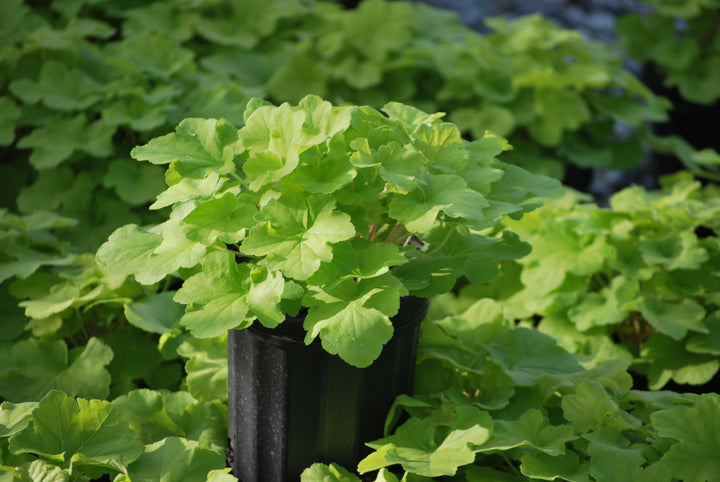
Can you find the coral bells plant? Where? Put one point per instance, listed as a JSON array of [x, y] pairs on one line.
[[331, 213]]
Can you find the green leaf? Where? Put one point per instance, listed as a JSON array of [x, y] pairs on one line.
[[531, 430], [150, 255], [79, 432], [447, 193], [156, 313], [322, 120], [526, 355], [225, 218], [155, 416], [59, 88], [442, 147], [591, 408], [9, 114], [42, 365], [327, 473], [324, 170], [675, 251], [227, 295], [696, 430], [673, 319], [188, 189], [128, 251], [611, 456], [223, 475], [296, 237], [56, 142], [358, 259], [175, 458], [376, 28], [154, 53], [40, 470], [273, 137], [206, 367], [557, 110], [475, 473], [670, 359], [137, 361], [15, 417], [707, 343], [611, 305], [421, 448], [478, 258], [546, 467], [145, 411], [346, 326], [196, 148], [134, 183], [23, 261]]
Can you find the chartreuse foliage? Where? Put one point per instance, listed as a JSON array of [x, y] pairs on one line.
[[339, 210], [680, 39], [554, 94], [637, 280], [496, 402], [91, 362]]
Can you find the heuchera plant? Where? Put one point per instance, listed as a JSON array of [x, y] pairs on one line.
[[340, 211], [637, 280]]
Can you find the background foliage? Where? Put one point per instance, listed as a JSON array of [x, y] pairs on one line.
[[97, 377]]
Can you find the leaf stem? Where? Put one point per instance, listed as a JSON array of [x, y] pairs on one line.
[[391, 237], [236, 177], [439, 246], [371, 232]]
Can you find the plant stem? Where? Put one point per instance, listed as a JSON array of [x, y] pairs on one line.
[[391, 237], [371, 232]]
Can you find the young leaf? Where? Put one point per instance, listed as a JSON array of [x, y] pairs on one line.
[[298, 236], [273, 137], [225, 218], [346, 326], [223, 296], [196, 148], [447, 193]]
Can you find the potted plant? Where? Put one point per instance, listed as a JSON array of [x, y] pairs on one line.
[[323, 226]]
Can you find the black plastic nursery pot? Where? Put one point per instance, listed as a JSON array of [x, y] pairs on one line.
[[291, 405]]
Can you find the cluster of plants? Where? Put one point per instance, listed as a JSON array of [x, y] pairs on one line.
[[498, 402], [117, 369], [637, 280], [680, 41]]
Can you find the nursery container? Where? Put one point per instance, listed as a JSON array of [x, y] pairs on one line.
[[291, 404]]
